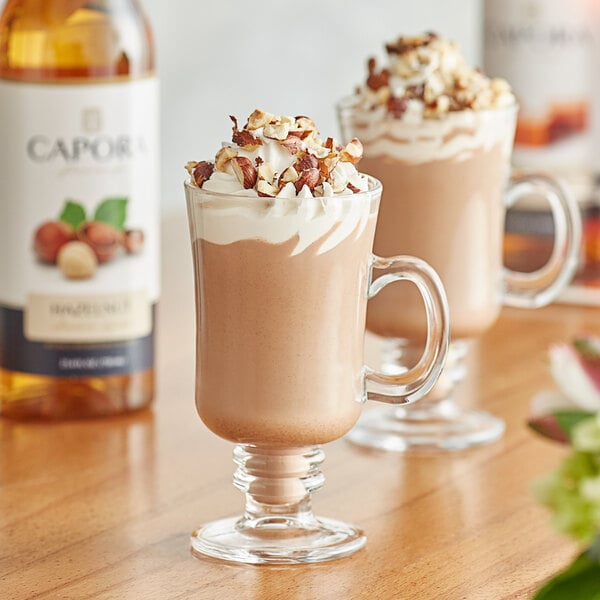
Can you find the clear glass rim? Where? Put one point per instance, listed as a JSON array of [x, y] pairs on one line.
[[346, 104], [196, 193]]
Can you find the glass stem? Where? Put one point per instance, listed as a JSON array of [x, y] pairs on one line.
[[278, 483]]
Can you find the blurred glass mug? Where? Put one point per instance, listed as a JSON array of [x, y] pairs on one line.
[[445, 202], [280, 331]]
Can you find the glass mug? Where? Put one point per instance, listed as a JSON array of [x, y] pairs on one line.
[[281, 293], [445, 202]]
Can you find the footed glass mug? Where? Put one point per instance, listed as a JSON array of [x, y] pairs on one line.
[[445, 202], [281, 293]]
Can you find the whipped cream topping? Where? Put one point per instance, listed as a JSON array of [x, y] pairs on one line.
[[280, 156], [283, 182], [456, 137], [312, 220], [427, 77]]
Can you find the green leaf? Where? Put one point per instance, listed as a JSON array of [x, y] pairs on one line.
[[72, 214], [580, 581], [568, 419], [112, 211]]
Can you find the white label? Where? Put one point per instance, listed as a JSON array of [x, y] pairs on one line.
[[71, 150], [546, 50]]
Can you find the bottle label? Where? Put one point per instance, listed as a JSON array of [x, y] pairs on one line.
[[79, 232], [546, 50]]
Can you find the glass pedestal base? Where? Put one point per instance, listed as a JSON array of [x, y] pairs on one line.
[[434, 423], [404, 430], [278, 526], [273, 541]]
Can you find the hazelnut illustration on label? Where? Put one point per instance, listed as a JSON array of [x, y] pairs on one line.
[[78, 243]]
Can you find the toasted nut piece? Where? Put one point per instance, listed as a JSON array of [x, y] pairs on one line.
[[289, 175], [307, 162], [339, 177], [383, 95], [316, 148], [292, 144], [301, 133], [266, 173], [266, 190], [224, 155], [407, 43], [397, 106], [244, 139], [331, 161], [353, 188], [324, 168], [258, 119], [352, 152], [202, 171], [77, 260], [442, 104], [305, 123], [244, 171], [376, 80], [277, 131], [310, 177]]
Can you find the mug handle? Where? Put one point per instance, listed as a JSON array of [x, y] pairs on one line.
[[539, 288], [414, 383]]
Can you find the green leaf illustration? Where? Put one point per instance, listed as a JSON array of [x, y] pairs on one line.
[[580, 581], [72, 214], [112, 211]]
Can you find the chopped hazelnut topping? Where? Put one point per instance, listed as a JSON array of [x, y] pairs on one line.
[[201, 171], [310, 178], [258, 119], [265, 189], [266, 173], [432, 72], [293, 144], [244, 139], [289, 175], [276, 131], [224, 155], [244, 171], [352, 152], [281, 155]]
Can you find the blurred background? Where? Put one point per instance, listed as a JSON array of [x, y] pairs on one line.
[[286, 57], [229, 57]]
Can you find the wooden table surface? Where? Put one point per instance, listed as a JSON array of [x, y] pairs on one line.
[[104, 509]]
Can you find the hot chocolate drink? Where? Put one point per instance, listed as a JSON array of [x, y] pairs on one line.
[[282, 227], [284, 284], [438, 134], [300, 315], [447, 209]]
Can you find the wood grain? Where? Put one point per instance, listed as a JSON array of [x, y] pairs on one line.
[[104, 509]]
